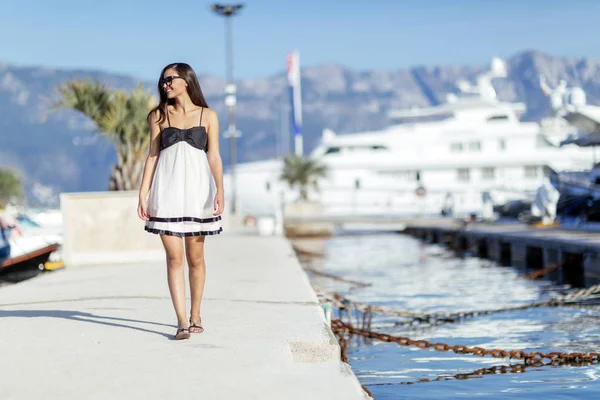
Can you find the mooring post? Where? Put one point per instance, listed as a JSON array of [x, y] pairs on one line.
[[518, 253], [552, 257]]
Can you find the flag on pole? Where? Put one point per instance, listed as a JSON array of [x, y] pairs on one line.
[[293, 73]]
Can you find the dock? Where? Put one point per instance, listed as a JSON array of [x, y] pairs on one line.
[[105, 331], [575, 252]]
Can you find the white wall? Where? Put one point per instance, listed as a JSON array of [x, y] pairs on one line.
[[103, 227]]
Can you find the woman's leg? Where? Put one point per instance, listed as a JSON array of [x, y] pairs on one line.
[[194, 248], [175, 276]]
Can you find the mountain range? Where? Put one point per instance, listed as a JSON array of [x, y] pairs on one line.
[[60, 151]]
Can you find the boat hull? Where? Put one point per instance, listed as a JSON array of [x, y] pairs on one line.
[[27, 265]]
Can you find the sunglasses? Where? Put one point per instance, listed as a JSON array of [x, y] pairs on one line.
[[168, 80]]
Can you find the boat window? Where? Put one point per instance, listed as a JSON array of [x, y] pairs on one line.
[[501, 144], [406, 175], [531, 171], [463, 174], [503, 117], [456, 147], [475, 146], [368, 148], [488, 173]]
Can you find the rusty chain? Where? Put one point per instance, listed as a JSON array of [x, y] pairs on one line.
[[307, 253], [440, 318], [554, 358], [530, 359], [478, 373], [343, 348], [542, 272], [343, 344], [497, 369], [533, 275], [336, 278], [310, 255]]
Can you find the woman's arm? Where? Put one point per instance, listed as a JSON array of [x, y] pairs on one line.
[[214, 160], [150, 164]]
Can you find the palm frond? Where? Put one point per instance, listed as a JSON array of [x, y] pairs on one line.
[[301, 171], [90, 98], [119, 115]]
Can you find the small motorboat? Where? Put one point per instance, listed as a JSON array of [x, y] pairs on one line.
[[27, 265], [23, 255]]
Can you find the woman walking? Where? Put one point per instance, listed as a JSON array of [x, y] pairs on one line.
[[181, 195]]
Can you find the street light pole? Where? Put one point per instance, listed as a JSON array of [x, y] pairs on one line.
[[228, 11]]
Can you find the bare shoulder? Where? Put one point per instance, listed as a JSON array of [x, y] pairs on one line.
[[212, 120], [154, 123], [210, 114], [154, 117]]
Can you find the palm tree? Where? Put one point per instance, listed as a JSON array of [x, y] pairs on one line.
[[302, 172], [121, 117], [11, 187]]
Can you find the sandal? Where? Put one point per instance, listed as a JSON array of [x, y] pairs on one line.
[[182, 333], [196, 327]]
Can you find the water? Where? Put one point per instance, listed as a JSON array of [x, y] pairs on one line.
[[411, 276]]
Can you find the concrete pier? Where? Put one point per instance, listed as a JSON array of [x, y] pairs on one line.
[[104, 332], [523, 247]]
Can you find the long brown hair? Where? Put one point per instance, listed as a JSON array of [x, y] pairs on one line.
[[193, 89]]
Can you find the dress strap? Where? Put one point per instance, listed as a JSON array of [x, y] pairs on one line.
[[168, 119], [201, 112]]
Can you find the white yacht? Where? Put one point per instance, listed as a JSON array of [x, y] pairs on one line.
[[579, 190], [453, 157]]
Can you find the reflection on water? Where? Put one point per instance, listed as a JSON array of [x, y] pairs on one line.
[[405, 274]]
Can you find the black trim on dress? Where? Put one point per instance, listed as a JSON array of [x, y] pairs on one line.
[[182, 234]]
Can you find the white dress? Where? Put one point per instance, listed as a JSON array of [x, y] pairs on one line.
[[182, 192]]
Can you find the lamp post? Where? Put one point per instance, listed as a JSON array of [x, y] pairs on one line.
[[228, 11]]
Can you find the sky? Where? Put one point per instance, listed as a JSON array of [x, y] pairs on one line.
[[139, 37]]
